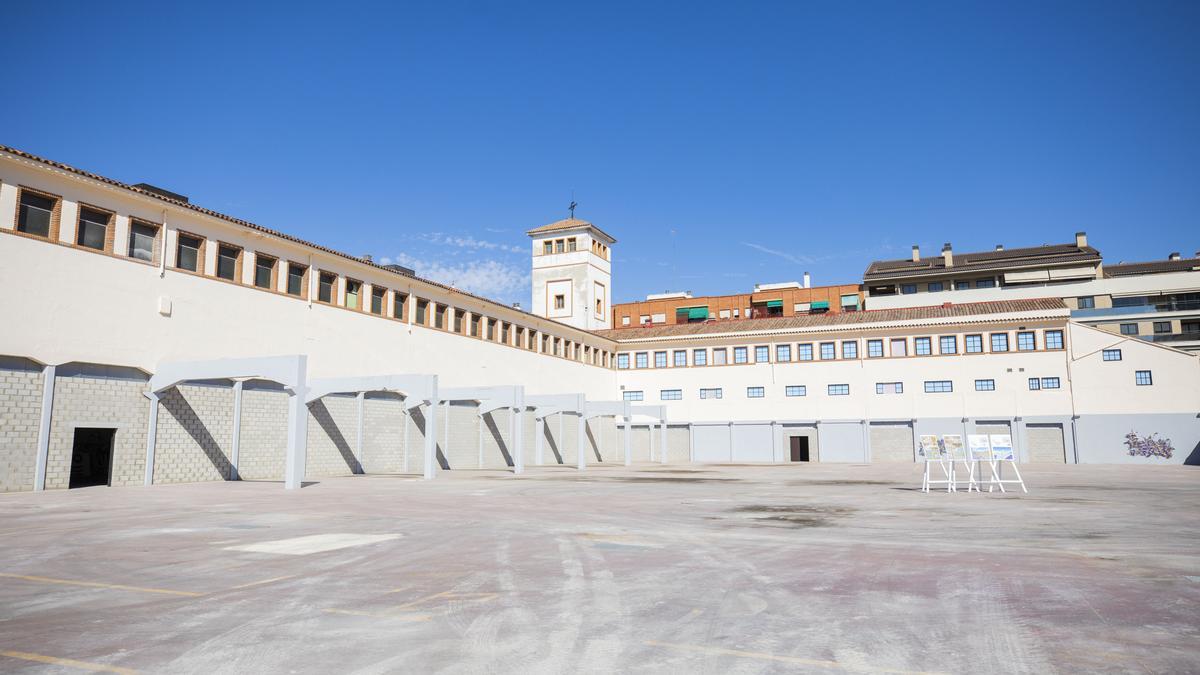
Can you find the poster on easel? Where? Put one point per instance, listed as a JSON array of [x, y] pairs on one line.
[[980, 447], [1002, 449], [953, 444], [930, 448]]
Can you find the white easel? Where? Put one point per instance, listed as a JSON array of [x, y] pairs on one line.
[[1002, 453], [957, 453], [935, 454]]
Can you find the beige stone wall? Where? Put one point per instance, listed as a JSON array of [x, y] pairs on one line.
[[529, 429], [415, 448], [99, 397], [640, 442], [679, 444], [383, 433], [461, 450], [20, 415], [332, 436], [195, 434], [262, 453], [498, 444]]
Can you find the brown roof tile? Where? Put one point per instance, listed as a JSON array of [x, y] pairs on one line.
[[948, 311], [1152, 267], [1055, 254], [568, 224]]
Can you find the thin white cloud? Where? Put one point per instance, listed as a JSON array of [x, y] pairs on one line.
[[489, 278], [790, 257], [467, 241]]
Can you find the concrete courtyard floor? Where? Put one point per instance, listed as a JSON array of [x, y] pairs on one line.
[[681, 569]]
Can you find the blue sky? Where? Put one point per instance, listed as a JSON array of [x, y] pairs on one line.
[[722, 144]]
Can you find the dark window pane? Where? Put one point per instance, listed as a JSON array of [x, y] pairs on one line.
[[92, 227], [262, 272], [187, 255], [141, 242], [35, 213], [227, 258], [295, 280]]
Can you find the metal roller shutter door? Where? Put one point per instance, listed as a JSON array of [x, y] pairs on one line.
[[891, 443], [1046, 443], [752, 443], [712, 443]]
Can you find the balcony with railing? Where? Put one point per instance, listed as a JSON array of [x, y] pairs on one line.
[[1187, 305]]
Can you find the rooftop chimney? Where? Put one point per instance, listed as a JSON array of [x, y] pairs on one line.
[[999, 247], [916, 256], [1081, 239], [807, 280], [947, 255], [367, 258], [516, 305], [1174, 256]]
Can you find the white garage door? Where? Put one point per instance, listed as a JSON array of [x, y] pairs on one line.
[[752, 443], [1046, 443], [712, 443], [891, 443]]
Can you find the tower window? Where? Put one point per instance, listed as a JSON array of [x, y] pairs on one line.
[[558, 245], [547, 247], [571, 244], [560, 301]]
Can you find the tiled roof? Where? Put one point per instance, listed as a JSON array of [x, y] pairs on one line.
[[1035, 256], [947, 311], [1152, 267], [568, 224], [275, 233]]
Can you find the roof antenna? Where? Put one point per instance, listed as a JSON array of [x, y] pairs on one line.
[[571, 208]]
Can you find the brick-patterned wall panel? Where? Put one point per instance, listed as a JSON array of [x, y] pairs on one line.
[[105, 402], [679, 444], [462, 449], [569, 443], [641, 443], [498, 450], [195, 434], [262, 453], [603, 440], [20, 415], [552, 441], [414, 449], [332, 436], [383, 431], [529, 428]]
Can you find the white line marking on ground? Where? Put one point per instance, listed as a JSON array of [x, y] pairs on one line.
[[314, 543]]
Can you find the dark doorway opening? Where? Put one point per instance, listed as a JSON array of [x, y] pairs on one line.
[[799, 447], [91, 457]]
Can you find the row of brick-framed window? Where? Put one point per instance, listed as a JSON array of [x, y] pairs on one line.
[[39, 216], [832, 350], [1142, 377]]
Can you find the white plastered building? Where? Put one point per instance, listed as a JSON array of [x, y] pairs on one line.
[[107, 284]]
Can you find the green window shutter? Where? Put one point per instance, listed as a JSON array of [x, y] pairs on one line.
[[772, 304], [820, 304]]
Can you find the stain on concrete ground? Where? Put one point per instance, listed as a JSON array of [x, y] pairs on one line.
[[794, 515]]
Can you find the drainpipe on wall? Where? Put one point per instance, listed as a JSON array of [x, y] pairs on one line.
[[162, 255]]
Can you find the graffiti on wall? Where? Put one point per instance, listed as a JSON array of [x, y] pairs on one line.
[[1148, 446]]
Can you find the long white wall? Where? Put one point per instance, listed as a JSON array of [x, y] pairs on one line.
[[62, 304]]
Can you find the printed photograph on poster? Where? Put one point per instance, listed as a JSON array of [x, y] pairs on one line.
[[953, 445], [979, 446], [930, 448], [1002, 447]]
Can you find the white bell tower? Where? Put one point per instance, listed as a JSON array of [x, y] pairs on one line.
[[572, 273]]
